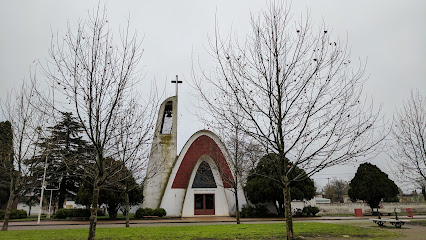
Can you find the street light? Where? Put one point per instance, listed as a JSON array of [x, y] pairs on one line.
[[43, 183], [51, 190]]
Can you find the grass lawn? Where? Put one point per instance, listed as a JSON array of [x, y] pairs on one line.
[[243, 231]]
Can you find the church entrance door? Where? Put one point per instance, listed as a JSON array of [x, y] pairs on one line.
[[204, 204]]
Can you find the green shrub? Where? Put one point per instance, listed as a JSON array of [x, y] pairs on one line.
[[80, 212], [141, 212], [261, 211], [310, 210], [160, 212], [66, 213], [14, 214], [256, 211], [247, 211], [61, 213]]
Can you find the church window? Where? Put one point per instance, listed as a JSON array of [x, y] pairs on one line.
[[204, 177]]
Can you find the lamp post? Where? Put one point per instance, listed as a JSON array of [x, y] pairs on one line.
[[51, 190], [43, 183]]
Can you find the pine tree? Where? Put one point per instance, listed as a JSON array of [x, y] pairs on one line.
[[66, 152], [372, 185]]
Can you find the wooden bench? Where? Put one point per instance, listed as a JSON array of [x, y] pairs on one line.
[[394, 221], [150, 217]]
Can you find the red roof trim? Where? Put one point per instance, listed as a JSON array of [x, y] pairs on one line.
[[201, 146]]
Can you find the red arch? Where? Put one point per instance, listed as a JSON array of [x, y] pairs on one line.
[[201, 146]]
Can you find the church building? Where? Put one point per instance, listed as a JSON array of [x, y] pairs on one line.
[[197, 181]]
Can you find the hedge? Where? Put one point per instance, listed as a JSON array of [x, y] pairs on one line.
[[256, 211], [141, 212], [66, 213], [14, 214]]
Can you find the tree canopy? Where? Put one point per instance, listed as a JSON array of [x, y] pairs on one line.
[[409, 133], [66, 152], [113, 192], [292, 87], [263, 184], [6, 163], [371, 185], [336, 189]]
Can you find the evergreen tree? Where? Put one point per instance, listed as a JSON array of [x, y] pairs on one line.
[[6, 161], [66, 152], [263, 184], [113, 193], [371, 185]]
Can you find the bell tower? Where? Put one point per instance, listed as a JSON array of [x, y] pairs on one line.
[[163, 152]]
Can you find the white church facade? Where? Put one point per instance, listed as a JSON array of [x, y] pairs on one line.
[[197, 181]]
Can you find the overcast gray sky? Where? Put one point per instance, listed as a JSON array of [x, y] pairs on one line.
[[390, 34]]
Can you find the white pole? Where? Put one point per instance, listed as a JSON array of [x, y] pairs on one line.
[[42, 191], [50, 203]]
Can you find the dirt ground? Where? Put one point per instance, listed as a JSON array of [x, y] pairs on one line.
[[408, 231]]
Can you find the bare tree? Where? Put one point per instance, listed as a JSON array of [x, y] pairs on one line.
[[96, 76], [409, 133], [296, 93], [22, 110], [134, 136], [336, 189], [242, 150], [240, 146], [236, 162]]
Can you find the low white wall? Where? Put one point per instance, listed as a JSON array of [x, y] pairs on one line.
[[349, 208]]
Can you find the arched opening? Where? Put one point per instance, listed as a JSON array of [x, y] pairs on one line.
[[167, 123]]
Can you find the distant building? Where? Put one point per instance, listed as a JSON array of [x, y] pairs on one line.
[[321, 200]]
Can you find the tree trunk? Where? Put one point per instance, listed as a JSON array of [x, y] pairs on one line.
[[287, 211], [8, 208], [29, 210], [237, 207], [62, 191], [112, 211], [424, 192], [127, 210], [281, 208], [94, 210]]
